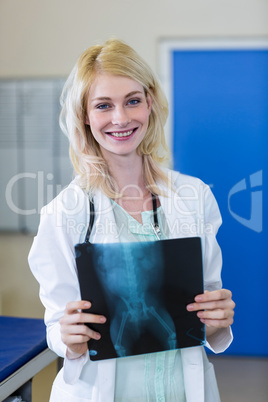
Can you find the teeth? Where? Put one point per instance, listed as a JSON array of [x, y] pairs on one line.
[[126, 134]]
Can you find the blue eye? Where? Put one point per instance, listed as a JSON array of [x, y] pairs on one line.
[[102, 106], [134, 101]]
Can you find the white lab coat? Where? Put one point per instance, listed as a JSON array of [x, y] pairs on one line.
[[190, 210]]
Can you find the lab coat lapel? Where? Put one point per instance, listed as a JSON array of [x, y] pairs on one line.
[[193, 373], [175, 211], [106, 380], [104, 228], [104, 231], [180, 220]]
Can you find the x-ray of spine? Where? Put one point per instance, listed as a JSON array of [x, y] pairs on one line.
[[131, 277]]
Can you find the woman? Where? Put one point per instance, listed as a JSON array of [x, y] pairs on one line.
[[114, 113]]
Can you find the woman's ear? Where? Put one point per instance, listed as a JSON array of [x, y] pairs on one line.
[[87, 121], [149, 102]]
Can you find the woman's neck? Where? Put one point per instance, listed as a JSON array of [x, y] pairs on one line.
[[128, 175]]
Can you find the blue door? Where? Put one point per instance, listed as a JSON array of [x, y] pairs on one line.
[[220, 100]]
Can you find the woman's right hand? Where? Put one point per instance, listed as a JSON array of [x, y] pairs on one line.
[[74, 333]]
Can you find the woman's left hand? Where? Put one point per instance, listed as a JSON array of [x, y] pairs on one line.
[[215, 309]]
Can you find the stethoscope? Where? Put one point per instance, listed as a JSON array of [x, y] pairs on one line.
[[154, 225]]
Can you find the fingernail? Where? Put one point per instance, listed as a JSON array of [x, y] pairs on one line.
[[198, 298], [190, 307], [102, 319], [87, 305], [98, 336]]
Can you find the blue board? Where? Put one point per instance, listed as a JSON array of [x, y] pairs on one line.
[[21, 339], [220, 100]]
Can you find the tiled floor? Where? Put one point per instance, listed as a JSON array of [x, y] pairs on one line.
[[241, 379]]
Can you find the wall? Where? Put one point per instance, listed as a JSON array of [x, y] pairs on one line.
[[40, 38]]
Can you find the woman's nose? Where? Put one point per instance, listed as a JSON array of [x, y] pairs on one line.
[[120, 117]]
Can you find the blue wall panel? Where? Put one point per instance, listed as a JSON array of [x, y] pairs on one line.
[[220, 125]]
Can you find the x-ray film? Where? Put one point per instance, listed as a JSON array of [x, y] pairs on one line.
[[143, 289]]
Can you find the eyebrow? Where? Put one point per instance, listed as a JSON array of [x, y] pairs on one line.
[[106, 98]]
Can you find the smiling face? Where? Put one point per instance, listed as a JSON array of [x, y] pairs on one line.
[[118, 114]]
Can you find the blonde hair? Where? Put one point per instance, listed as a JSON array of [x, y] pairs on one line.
[[117, 58]]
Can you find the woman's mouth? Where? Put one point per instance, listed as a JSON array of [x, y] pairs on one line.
[[121, 134]]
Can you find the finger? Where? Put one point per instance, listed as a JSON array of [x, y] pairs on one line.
[[81, 318], [77, 330], [85, 332], [73, 306], [216, 314], [220, 294], [213, 305], [88, 318], [70, 340], [217, 323], [82, 331]]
